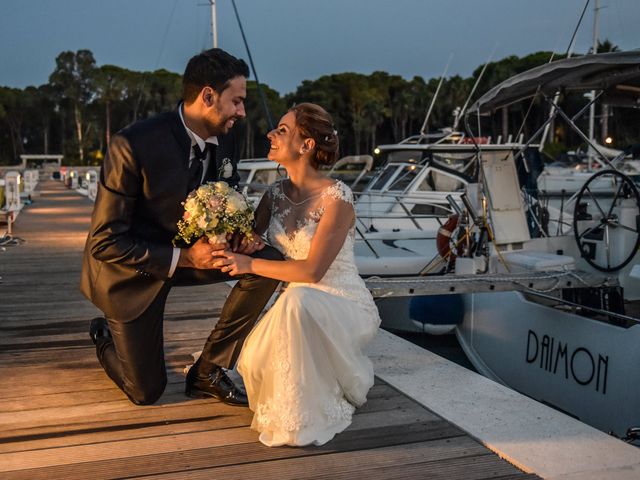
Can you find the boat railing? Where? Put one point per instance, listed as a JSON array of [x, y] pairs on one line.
[[408, 215], [394, 207], [428, 198]]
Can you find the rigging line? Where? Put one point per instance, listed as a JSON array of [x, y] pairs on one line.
[[423, 129], [255, 74], [166, 33], [463, 112], [162, 44], [475, 85], [575, 31], [567, 54], [465, 117]]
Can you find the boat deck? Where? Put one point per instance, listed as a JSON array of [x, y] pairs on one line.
[[61, 417], [539, 281]]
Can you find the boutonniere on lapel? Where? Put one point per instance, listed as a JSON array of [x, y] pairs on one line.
[[226, 169]]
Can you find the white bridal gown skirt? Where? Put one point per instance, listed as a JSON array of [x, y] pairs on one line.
[[303, 367]]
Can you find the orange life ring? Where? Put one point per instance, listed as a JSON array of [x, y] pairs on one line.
[[444, 236]]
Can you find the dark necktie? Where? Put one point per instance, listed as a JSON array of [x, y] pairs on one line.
[[196, 169]]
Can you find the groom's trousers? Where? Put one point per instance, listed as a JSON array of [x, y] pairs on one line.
[[134, 355]]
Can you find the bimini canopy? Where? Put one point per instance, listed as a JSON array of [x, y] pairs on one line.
[[617, 74]]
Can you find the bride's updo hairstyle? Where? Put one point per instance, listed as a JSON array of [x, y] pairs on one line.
[[313, 121]]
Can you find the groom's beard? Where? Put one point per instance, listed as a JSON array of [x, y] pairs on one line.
[[221, 126]]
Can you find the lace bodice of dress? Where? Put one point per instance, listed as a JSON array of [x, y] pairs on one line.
[[292, 227]]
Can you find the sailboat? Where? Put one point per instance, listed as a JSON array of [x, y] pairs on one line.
[[556, 317]]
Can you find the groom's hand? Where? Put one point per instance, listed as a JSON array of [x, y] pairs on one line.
[[200, 255], [247, 244]]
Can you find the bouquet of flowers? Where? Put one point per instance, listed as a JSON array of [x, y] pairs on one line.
[[214, 210]]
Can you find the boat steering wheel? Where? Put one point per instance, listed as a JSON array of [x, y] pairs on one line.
[[595, 219]]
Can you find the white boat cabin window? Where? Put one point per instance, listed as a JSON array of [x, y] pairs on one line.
[[404, 178], [384, 177], [447, 183]]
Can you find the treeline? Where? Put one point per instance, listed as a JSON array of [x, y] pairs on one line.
[[83, 104]]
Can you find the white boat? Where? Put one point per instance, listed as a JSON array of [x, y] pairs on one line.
[[554, 317], [404, 224], [256, 174]]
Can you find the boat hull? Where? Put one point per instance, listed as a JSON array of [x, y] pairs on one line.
[[584, 367]]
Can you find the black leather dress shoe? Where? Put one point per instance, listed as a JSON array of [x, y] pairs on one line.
[[99, 328], [216, 385]]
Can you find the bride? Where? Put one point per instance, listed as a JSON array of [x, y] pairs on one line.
[[302, 365]]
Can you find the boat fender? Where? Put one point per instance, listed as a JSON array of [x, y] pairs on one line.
[[436, 314]]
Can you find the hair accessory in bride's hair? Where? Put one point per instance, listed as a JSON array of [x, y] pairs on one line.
[[333, 133]]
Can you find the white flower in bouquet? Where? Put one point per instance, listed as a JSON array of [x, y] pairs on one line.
[[214, 210], [236, 202]]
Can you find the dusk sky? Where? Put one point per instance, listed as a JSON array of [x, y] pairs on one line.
[[294, 40]]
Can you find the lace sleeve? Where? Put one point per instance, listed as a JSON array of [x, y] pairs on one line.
[[275, 190], [276, 198], [340, 191]]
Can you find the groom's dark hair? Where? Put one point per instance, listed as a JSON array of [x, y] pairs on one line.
[[211, 68]]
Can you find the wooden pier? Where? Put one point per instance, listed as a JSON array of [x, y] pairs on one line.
[[61, 417]]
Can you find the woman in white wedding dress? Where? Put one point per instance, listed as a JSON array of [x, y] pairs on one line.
[[303, 365]]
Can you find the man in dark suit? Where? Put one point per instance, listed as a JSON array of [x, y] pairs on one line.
[[129, 263]]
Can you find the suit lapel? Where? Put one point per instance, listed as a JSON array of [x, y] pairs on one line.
[[181, 137]]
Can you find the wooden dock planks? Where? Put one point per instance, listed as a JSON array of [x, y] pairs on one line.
[[61, 417]]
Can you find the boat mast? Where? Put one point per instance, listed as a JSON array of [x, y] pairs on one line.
[[214, 24], [214, 38], [592, 108]]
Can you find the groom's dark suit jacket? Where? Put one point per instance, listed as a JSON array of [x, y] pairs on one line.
[[143, 181]]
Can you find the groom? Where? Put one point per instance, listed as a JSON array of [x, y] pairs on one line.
[[129, 264]]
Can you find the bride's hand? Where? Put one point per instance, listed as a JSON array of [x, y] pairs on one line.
[[232, 263]]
